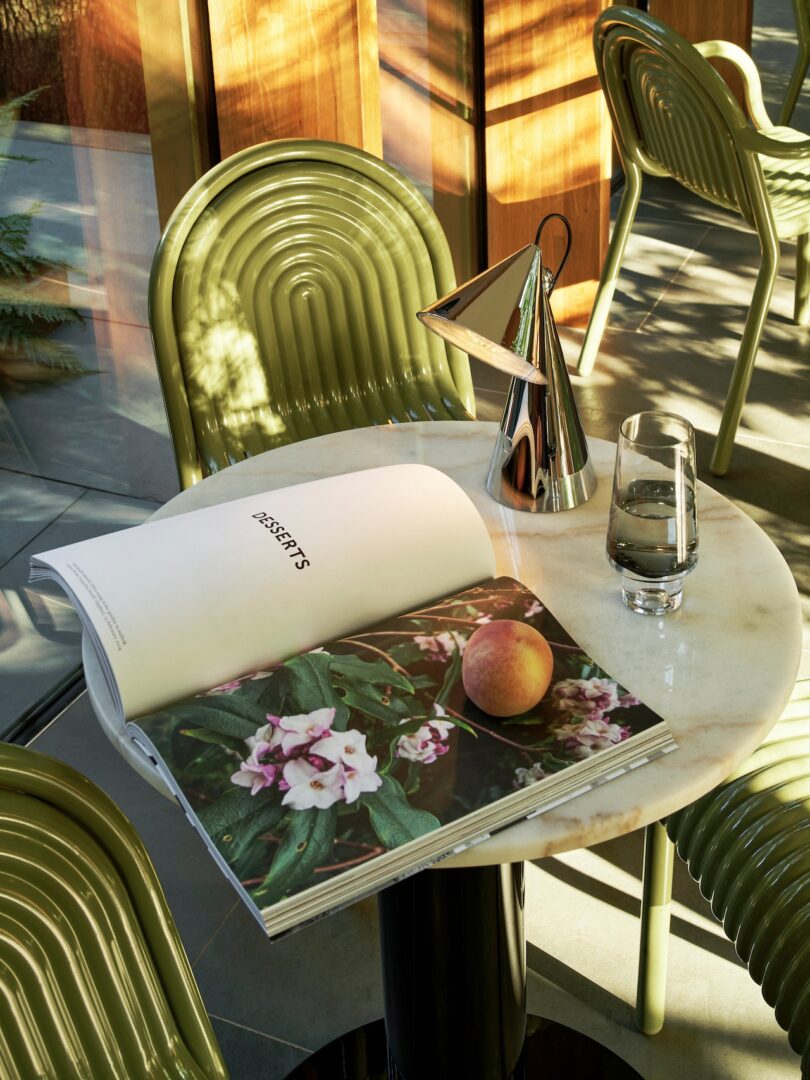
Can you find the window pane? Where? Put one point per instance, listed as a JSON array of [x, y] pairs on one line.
[[84, 446]]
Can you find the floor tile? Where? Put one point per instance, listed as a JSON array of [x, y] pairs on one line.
[[105, 429], [252, 1056], [199, 896], [39, 631], [307, 988], [27, 505], [582, 928], [653, 257]]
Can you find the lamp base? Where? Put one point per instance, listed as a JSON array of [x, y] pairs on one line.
[[516, 481]]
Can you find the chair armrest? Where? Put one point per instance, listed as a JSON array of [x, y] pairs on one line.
[[727, 50], [762, 142]]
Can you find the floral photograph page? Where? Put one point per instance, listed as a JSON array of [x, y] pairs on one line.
[[337, 756]]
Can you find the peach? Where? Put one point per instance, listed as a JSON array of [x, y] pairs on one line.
[[506, 667]]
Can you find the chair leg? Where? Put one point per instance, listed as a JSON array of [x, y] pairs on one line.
[[795, 85], [744, 366], [659, 852], [801, 309], [610, 271]]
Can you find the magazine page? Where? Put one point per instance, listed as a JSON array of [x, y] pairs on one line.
[[322, 766], [176, 604]]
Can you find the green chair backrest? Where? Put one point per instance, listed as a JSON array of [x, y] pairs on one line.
[[672, 113], [283, 304], [93, 976]]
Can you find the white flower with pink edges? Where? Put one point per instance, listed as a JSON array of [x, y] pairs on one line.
[[590, 736], [314, 766], [310, 787], [428, 742], [589, 698], [441, 646]]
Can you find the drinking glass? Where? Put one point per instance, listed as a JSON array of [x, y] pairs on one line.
[[652, 535]]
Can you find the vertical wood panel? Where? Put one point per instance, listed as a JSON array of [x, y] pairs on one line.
[[547, 139], [696, 21], [296, 68], [728, 20]]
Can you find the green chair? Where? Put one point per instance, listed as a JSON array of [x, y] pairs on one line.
[[673, 115], [801, 12], [94, 979], [283, 302], [747, 843]]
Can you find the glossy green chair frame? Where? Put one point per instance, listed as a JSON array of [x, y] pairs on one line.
[[673, 115], [801, 13], [283, 302], [747, 843], [94, 978]]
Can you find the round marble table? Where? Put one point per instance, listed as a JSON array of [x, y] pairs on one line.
[[719, 670]]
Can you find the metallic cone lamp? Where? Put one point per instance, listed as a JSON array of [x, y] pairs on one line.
[[503, 317]]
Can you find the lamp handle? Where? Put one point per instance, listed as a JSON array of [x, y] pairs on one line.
[[567, 225]]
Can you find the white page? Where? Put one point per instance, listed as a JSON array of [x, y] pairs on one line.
[[186, 603]]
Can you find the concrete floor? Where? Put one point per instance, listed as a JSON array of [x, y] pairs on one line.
[[673, 336]]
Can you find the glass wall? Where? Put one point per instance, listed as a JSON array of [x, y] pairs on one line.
[[84, 447], [427, 103]]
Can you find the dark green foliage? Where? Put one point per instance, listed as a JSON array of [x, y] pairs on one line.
[[27, 313]]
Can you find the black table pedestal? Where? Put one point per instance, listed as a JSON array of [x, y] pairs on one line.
[[454, 980]]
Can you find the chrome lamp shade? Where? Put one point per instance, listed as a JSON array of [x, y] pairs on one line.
[[540, 462]]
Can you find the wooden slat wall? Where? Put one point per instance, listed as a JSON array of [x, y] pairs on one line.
[[296, 68], [548, 140], [729, 20], [703, 21]]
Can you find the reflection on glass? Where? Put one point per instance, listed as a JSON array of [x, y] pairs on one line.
[[426, 97], [83, 441]]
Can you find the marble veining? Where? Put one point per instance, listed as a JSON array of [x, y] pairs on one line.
[[720, 670]]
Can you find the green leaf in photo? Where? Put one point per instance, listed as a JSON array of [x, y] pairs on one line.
[[403, 729], [186, 752], [406, 653], [309, 682], [532, 720], [413, 779], [370, 672], [393, 819], [239, 850], [252, 690], [274, 689], [307, 844], [214, 737], [213, 715], [228, 809], [423, 682], [372, 703], [457, 721], [452, 675]]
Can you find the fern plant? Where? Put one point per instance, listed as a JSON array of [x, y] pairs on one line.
[[27, 313]]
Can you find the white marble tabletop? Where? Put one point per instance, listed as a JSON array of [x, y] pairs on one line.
[[720, 670]]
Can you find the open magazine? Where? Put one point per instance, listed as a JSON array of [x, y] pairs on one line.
[[319, 739]]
